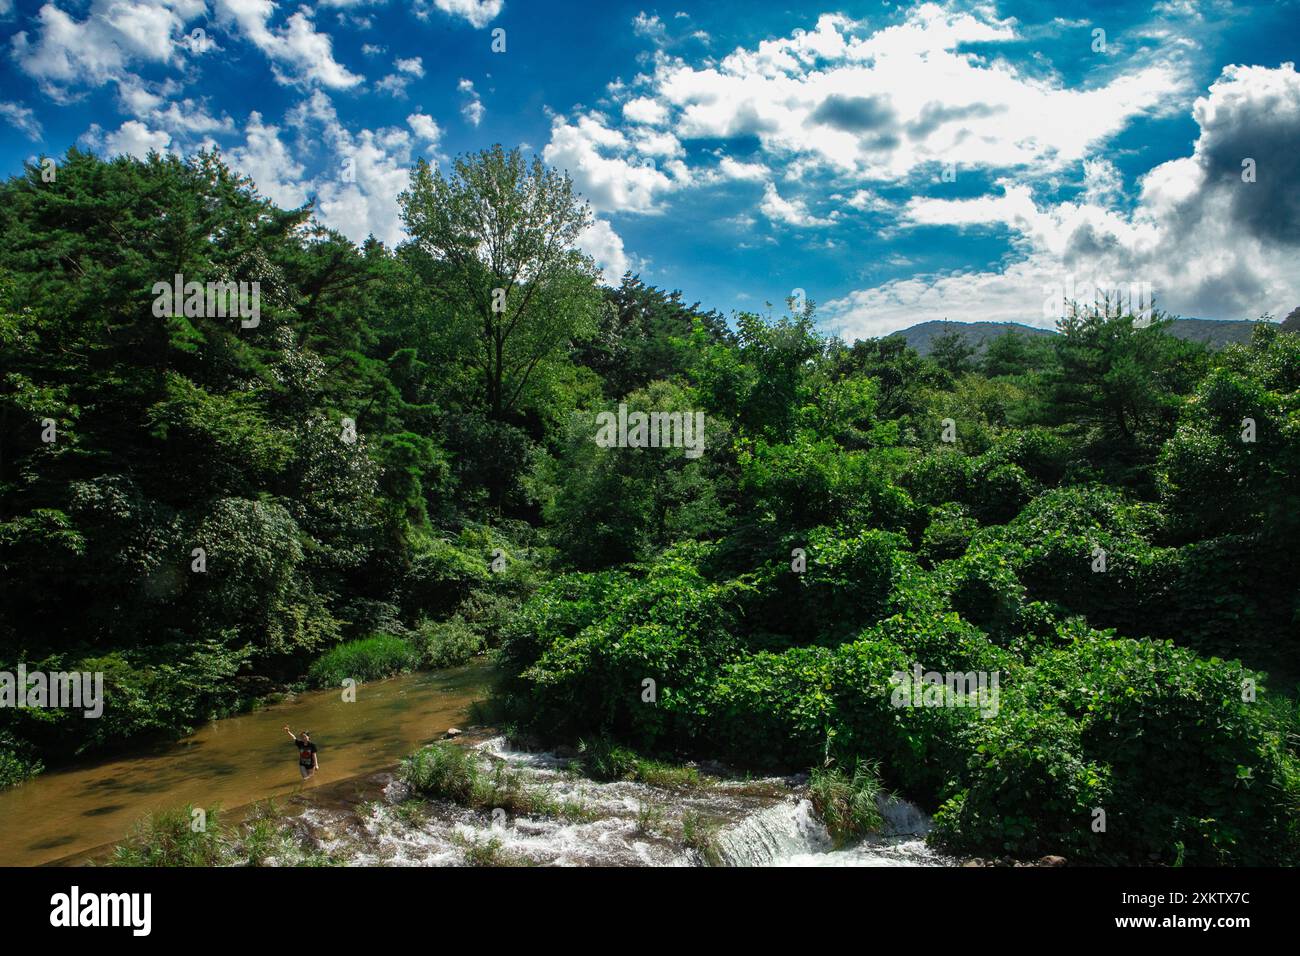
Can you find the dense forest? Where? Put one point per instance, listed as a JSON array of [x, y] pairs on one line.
[[396, 466]]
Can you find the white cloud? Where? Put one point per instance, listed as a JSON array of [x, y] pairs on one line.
[[183, 117], [471, 107], [602, 243], [478, 13], [297, 46], [650, 27], [134, 138], [645, 110], [792, 212], [356, 193], [605, 167], [864, 200], [879, 106], [67, 53], [426, 129], [747, 172], [394, 84], [412, 67], [22, 119], [860, 108], [269, 163], [1208, 243]]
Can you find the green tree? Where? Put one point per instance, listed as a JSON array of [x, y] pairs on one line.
[[952, 352], [1122, 381], [501, 235]]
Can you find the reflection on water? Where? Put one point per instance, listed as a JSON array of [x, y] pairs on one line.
[[233, 762]]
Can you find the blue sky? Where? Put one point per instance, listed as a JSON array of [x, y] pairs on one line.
[[896, 162]]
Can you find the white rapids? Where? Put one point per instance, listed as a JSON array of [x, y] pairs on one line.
[[757, 822]]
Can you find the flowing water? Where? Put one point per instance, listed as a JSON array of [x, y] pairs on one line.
[[234, 762], [357, 810], [766, 822]]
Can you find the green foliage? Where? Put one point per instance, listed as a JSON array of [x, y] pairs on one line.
[[16, 760], [642, 600], [444, 771], [177, 837], [1120, 386], [371, 658], [169, 838], [846, 803], [446, 643], [849, 580]]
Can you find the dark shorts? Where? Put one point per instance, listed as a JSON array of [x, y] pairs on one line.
[[305, 769]]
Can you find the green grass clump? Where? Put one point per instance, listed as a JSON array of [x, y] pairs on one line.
[[370, 658], [601, 759], [444, 772], [847, 804], [170, 838], [699, 833]]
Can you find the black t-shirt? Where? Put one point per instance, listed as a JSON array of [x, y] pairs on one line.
[[305, 752]]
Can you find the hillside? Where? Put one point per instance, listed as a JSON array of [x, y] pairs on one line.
[[1214, 332]]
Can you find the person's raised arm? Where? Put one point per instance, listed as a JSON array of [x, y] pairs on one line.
[[290, 732]]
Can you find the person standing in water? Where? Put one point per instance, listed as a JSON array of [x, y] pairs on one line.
[[308, 762]]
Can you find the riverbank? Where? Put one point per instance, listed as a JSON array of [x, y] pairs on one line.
[[540, 809], [234, 762]]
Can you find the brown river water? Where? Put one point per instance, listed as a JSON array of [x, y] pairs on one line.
[[234, 762]]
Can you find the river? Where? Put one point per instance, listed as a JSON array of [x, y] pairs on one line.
[[357, 810], [233, 762]]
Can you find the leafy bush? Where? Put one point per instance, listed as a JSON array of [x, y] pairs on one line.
[[1028, 788], [948, 532], [445, 643], [441, 577], [17, 762], [371, 658]]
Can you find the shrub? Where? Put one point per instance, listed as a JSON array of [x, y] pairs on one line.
[[441, 577], [17, 761], [167, 838], [847, 802], [849, 579], [444, 771], [446, 643], [602, 759], [1223, 783], [370, 658], [984, 588], [1027, 789], [948, 533]]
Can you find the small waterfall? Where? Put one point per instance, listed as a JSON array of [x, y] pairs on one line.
[[758, 823], [768, 837], [902, 818], [790, 834]]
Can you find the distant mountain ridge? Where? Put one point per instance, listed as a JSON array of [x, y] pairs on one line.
[[1215, 332]]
